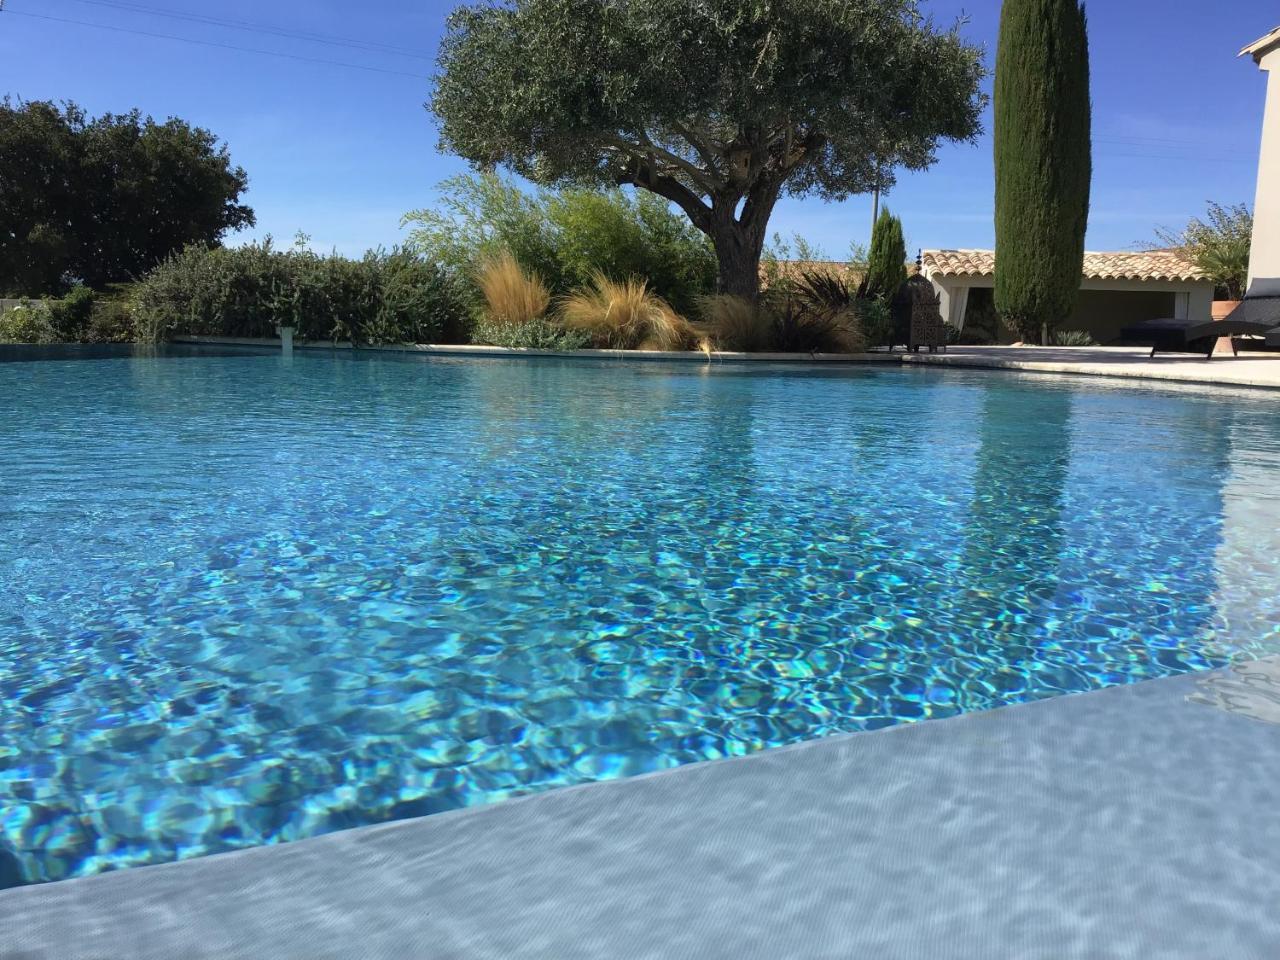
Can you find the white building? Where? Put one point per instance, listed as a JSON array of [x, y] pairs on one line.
[[1117, 290], [1264, 264]]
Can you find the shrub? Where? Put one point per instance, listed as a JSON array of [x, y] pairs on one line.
[[737, 324], [1074, 338], [111, 322], [783, 323], [511, 293], [875, 320], [248, 291], [539, 334], [564, 236], [825, 291], [70, 316], [27, 323], [799, 328], [1218, 245], [626, 316]]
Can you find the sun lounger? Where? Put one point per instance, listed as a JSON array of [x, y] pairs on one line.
[[1189, 336]]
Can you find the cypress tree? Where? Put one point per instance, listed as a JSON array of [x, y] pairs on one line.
[[887, 258], [1043, 162]]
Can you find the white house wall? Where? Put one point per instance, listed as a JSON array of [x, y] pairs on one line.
[[1194, 299], [1264, 264]]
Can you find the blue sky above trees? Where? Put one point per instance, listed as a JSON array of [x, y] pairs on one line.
[[340, 153]]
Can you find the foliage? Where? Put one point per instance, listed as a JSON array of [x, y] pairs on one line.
[[982, 322], [1043, 162], [624, 315], [26, 323], [719, 106], [565, 236], [511, 294], [737, 324], [887, 259], [1074, 338], [248, 291], [800, 328], [785, 262], [1219, 245], [540, 334], [111, 322], [826, 291], [782, 323], [70, 316], [98, 200], [875, 318]]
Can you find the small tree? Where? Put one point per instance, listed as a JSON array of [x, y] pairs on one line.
[[1219, 245], [718, 106], [887, 260], [1042, 159]]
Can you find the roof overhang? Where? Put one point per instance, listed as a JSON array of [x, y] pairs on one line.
[[1163, 266], [1262, 46]]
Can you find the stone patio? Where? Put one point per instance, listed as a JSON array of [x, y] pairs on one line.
[[1132, 363], [1136, 822]]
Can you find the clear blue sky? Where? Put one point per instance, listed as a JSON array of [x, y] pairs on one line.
[[341, 153]]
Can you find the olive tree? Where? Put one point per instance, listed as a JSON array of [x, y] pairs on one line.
[[719, 106]]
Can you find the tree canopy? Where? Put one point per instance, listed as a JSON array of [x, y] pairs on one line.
[[719, 106], [102, 200]]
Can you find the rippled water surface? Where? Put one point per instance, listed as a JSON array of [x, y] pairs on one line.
[[244, 600]]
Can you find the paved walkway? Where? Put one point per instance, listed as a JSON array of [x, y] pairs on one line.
[[1131, 363], [1128, 823]]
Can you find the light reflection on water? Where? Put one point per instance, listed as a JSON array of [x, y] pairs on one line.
[[244, 602]]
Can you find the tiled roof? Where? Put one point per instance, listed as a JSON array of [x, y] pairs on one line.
[[1148, 265], [794, 268]]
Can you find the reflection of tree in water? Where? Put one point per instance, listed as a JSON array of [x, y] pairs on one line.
[[1015, 534]]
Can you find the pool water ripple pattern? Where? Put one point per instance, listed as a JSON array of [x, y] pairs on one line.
[[245, 600]]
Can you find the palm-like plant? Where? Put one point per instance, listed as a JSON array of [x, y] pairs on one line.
[[1218, 245]]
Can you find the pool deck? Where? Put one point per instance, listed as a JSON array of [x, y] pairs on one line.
[[1129, 363], [1136, 822]]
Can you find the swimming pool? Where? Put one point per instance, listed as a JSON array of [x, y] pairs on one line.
[[245, 600]]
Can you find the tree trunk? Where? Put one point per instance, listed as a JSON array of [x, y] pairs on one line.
[[738, 249]]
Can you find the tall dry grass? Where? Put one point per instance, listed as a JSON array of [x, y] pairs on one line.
[[511, 294], [624, 315], [736, 324], [783, 323]]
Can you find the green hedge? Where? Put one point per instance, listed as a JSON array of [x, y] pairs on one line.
[[248, 291]]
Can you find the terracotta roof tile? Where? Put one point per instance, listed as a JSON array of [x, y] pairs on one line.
[[1147, 265]]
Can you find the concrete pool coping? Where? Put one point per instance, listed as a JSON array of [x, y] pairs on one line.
[[481, 350], [1253, 370], [1126, 823]]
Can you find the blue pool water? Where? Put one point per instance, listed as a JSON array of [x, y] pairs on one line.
[[244, 601]]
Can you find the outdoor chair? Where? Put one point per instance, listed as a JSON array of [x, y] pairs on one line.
[[1170, 335], [917, 317]]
